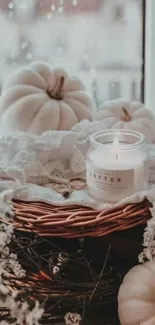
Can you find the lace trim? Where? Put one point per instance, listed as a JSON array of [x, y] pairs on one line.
[[29, 163]]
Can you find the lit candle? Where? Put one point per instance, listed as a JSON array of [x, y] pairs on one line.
[[116, 165]]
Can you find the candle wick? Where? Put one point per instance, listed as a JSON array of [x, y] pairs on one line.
[[116, 155]]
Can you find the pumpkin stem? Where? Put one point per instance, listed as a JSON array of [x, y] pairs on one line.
[[127, 117], [56, 92]]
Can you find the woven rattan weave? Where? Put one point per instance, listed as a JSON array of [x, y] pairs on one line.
[[76, 221]]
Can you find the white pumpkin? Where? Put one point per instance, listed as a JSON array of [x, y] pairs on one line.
[[122, 114], [38, 98], [136, 298]]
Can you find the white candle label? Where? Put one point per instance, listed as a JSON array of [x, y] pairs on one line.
[[110, 181]]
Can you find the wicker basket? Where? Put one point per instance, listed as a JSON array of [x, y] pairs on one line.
[[74, 221], [44, 225]]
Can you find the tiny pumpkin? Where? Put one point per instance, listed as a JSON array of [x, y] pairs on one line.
[[123, 114], [38, 98], [136, 297]]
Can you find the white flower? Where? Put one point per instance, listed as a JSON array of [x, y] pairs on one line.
[[149, 239], [21, 311], [3, 289], [72, 319], [34, 316], [56, 269], [9, 265], [14, 265], [5, 252]]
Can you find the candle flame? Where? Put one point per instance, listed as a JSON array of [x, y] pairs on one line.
[[116, 142], [116, 147]]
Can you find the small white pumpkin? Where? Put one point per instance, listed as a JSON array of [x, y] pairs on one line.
[[38, 98], [136, 298], [122, 114]]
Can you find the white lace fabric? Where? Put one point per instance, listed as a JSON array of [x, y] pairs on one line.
[[29, 163]]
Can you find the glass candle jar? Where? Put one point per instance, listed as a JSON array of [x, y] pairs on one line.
[[117, 164]]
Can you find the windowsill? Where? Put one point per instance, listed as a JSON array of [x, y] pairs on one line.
[[149, 87]]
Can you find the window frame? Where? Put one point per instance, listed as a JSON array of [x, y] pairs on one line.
[[149, 54]]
